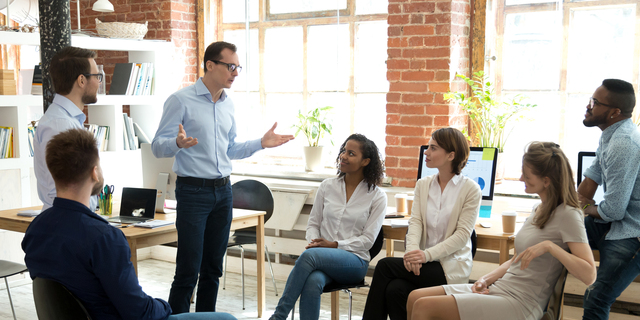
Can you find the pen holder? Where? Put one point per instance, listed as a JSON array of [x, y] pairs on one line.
[[106, 206]]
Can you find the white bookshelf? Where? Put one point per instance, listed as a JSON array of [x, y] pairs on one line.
[[121, 168]]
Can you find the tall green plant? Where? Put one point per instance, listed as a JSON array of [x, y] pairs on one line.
[[314, 124], [488, 115]]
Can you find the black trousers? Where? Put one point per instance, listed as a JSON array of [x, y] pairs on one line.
[[392, 284]]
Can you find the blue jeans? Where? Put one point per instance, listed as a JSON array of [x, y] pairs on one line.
[[619, 265], [314, 269], [203, 221], [202, 316]]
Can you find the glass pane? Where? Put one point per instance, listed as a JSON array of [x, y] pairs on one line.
[[516, 2], [233, 11], [282, 108], [328, 56], [371, 118], [248, 115], [546, 114], [577, 137], [250, 70], [371, 57], [283, 59], [340, 116], [371, 6], [532, 51], [288, 6], [600, 47]]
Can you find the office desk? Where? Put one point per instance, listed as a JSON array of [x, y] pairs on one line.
[[139, 238], [488, 238]]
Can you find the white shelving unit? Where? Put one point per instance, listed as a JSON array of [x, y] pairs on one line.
[[120, 168]]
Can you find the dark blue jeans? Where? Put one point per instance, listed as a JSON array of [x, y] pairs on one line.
[[619, 265], [203, 221]]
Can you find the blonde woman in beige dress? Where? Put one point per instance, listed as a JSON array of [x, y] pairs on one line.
[[552, 237]]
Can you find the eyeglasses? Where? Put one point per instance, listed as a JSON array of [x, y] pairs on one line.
[[231, 67], [97, 75], [593, 102]]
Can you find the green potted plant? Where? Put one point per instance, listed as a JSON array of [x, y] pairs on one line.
[[488, 114], [314, 124]]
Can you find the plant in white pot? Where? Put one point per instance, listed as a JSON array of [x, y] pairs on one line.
[[314, 124], [488, 115]]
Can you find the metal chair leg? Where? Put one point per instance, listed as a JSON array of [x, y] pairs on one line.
[[350, 300], [242, 271], [224, 280], [273, 279], [293, 311], [10, 301]]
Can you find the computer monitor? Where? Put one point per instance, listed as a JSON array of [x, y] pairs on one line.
[[585, 160], [481, 167], [157, 173]]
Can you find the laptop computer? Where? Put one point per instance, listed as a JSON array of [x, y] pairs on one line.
[[585, 159], [137, 205]]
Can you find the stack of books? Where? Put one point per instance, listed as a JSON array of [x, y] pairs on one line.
[[133, 79], [7, 82], [6, 142], [31, 136], [100, 133]]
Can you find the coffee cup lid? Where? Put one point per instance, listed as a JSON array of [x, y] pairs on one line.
[[401, 195], [509, 213], [410, 198]]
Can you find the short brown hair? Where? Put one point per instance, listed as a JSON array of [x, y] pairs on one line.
[[452, 140], [71, 156], [66, 65], [214, 51]]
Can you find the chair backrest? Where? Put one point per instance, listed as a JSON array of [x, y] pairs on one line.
[[474, 243], [253, 195], [377, 245], [554, 308], [53, 301]]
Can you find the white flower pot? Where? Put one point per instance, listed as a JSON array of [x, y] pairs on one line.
[[312, 158]]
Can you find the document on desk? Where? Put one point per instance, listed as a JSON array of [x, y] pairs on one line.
[[400, 223], [29, 213], [154, 224]]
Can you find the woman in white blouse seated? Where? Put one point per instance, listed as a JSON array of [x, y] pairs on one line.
[[553, 236], [344, 222], [438, 242]]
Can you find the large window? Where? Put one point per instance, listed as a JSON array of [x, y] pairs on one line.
[[558, 53], [303, 54]]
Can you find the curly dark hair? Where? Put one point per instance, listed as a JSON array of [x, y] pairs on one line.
[[373, 172]]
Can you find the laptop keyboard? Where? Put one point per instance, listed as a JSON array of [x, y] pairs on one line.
[[128, 219]]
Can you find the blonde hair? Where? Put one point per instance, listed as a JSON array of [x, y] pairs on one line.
[[546, 160]]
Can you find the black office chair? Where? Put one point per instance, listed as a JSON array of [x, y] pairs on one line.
[[7, 269], [554, 307], [251, 195], [55, 302], [334, 286]]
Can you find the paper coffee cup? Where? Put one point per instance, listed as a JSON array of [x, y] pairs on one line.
[[409, 204], [401, 203], [509, 221]]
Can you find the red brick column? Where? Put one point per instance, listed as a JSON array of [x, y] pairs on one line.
[[428, 43]]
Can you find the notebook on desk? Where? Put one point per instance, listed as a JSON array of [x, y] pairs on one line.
[[137, 205]]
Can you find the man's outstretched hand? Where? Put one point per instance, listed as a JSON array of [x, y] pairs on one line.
[[271, 139]]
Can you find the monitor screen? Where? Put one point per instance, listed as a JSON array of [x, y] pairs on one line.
[[585, 160], [481, 167]]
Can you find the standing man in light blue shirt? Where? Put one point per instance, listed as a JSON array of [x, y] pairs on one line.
[[613, 225], [75, 78], [199, 129]]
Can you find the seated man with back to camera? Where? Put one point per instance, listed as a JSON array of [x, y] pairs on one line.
[[70, 244]]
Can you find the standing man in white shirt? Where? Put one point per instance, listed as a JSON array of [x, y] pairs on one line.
[[198, 128], [76, 80]]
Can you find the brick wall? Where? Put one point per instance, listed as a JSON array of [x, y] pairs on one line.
[[167, 20], [428, 43]]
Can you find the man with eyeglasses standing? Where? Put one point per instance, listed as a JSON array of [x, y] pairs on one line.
[[76, 80], [198, 128], [613, 225]]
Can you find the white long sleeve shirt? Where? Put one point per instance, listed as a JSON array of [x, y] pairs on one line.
[[439, 207], [354, 224]]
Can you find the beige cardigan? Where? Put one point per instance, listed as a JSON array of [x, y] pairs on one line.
[[454, 253]]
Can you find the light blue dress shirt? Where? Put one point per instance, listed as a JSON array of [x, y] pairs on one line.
[[61, 115], [616, 168], [212, 123]]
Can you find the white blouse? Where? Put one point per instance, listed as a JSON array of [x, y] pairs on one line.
[[354, 224], [439, 207]]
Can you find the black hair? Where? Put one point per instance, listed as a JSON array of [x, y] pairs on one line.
[[621, 95], [373, 172], [214, 51]]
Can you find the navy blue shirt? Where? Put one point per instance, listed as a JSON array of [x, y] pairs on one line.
[[74, 246]]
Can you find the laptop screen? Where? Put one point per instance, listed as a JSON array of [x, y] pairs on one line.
[[585, 160], [138, 202], [481, 167]]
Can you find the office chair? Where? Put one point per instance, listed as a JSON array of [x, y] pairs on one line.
[[554, 308], [7, 269], [334, 286], [251, 195], [55, 302]]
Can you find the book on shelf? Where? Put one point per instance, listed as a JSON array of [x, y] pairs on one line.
[[31, 134], [36, 82], [130, 139], [132, 79], [120, 78], [6, 142], [7, 82], [142, 137], [101, 134]]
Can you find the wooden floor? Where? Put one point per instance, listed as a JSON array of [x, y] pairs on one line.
[[156, 276]]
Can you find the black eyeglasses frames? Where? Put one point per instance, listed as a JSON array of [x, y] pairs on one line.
[[231, 67], [97, 75]]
